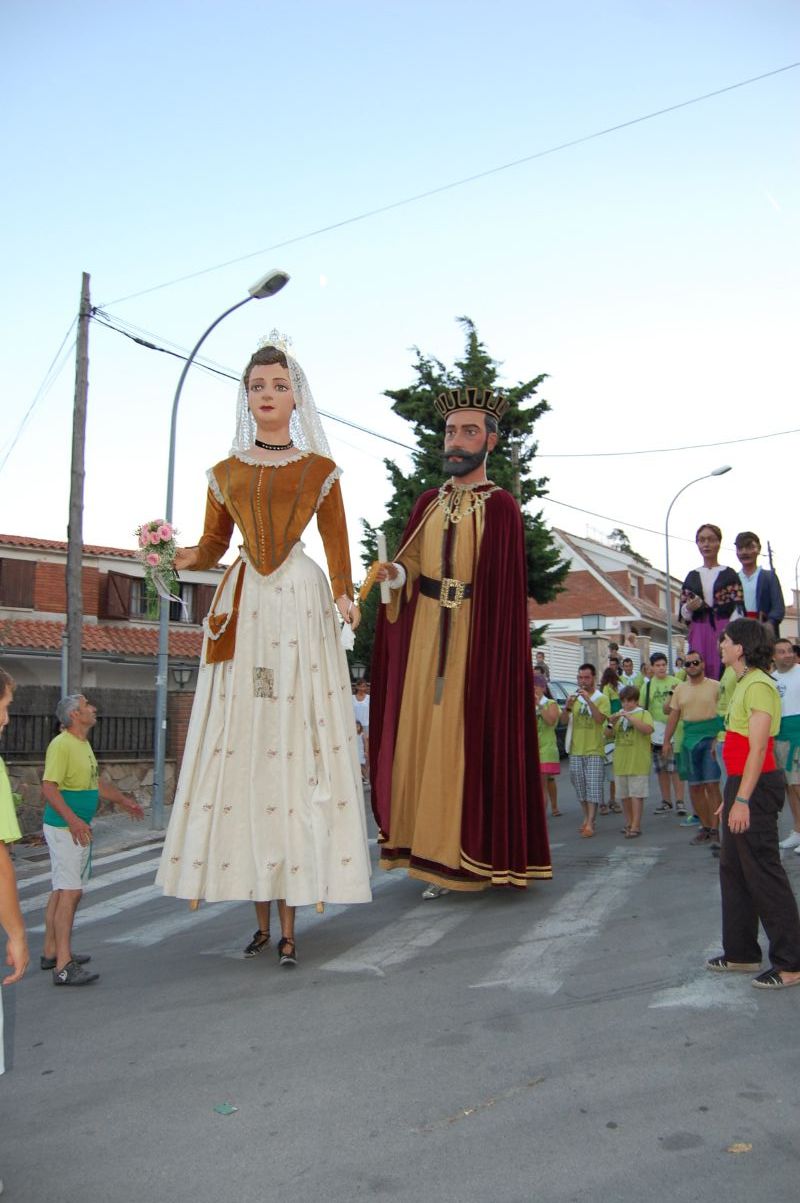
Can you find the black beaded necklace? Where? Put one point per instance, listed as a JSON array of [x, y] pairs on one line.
[[274, 446]]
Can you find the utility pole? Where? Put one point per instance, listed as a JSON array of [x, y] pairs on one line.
[[77, 475], [516, 486]]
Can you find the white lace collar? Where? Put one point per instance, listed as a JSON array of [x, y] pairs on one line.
[[263, 463]]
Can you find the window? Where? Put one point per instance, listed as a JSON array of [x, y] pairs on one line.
[[143, 605], [185, 612], [16, 583]]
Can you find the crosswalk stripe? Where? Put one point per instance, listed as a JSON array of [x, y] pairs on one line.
[[703, 990], [171, 924], [553, 944], [110, 907], [101, 882], [420, 928], [98, 861], [176, 922], [707, 991]]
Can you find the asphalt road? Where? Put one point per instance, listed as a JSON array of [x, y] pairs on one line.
[[560, 1045]]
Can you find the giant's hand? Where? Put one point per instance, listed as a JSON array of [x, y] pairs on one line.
[[349, 611], [185, 557]]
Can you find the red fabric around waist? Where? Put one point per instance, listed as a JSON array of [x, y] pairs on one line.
[[736, 749]]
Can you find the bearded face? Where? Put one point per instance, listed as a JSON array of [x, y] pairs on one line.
[[456, 461]]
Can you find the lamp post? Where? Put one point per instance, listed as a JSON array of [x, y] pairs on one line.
[[266, 286], [590, 648], [716, 472]]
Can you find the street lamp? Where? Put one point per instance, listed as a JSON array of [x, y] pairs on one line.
[[716, 472], [266, 286], [593, 622]]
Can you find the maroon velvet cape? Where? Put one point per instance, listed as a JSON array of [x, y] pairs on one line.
[[503, 827]]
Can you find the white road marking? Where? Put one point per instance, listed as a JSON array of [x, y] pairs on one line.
[[177, 920], [173, 924], [98, 861], [553, 944], [710, 991], [100, 882], [110, 907], [706, 990], [420, 928]]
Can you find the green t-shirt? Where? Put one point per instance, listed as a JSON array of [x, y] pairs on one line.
[[727, 685], [70, 764], [588, 737], [660, 687], [754, 691], [548, 745], [9, 827], [632, 748], [613, 696]]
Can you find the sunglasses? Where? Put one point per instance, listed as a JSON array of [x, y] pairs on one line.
[[692, 663]]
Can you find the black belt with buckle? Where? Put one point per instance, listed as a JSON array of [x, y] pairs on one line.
[[449, 592]]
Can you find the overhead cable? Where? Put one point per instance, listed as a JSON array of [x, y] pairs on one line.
[[460, 183], [103, 318], [50, 377]]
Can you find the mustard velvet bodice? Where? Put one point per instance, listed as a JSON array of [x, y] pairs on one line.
[[272, 504]]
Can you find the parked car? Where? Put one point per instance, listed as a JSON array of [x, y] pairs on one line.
[[561, 690]]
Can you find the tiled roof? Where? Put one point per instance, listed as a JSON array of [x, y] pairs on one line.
[[89, 549], [643, 605], [120, 640]]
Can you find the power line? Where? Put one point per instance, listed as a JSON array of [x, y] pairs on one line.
[[50, 377], [228, 375], [621, 522], [460, 183], [752, 438], [104, 320]]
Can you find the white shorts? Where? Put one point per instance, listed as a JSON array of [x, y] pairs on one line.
[[70, 863], [633, 787]]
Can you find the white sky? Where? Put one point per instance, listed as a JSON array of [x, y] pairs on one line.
[[652, 273]]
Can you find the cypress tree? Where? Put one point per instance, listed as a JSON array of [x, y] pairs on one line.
[[510, 465]]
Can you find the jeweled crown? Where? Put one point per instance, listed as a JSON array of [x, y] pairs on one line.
[[484, 399]]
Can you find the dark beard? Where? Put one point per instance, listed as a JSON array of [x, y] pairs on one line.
[[468, 462]]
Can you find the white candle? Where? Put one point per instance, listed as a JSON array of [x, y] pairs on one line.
[[386, 595]]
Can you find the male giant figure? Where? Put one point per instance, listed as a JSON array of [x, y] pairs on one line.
[[456, 790]]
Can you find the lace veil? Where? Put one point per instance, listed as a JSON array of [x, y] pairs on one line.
[[305, 426]]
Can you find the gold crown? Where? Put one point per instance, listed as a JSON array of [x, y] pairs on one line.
[[472, 398]]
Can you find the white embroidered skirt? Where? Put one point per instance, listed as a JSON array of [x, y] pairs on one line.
[[269, 802]]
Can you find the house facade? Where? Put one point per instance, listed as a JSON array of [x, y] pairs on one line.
[[119, 650], [630, 597]]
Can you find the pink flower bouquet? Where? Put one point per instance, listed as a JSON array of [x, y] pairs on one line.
[[157, 549]]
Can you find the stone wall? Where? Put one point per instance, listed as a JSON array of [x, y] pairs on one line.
[[132, 777]]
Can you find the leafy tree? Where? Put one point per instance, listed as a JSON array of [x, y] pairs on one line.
[[510, 465], [620, 540]]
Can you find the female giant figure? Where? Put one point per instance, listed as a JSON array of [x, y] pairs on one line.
[[269, 802]]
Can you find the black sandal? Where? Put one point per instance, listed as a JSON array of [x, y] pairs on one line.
[[287, 953], [258, 943]]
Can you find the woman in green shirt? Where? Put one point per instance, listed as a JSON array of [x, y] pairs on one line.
[[753, 882]]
